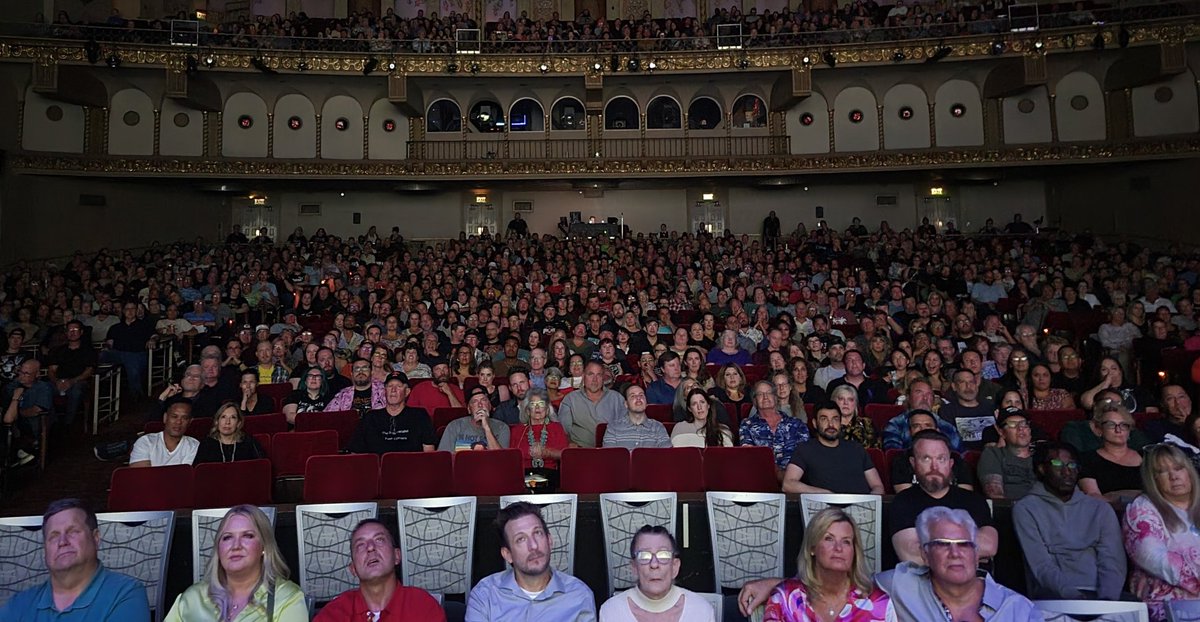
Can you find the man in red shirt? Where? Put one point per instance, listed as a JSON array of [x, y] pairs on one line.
[[379, 597], [437, 393]]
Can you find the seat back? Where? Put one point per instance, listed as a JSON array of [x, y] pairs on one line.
[[663, 413], [680, 469], [740, 469], [290, 451], [265, 424], [865, 510], [204, 535], [138, 544], [199, 427], [1183, 610], [156, 488], [1109, 611], [414, 475], [717, 600], [621, 515], [559, 512], [879, 459], [226, 484], [489, 473], [341, 478], [22, 558], [586, 470], [276, 391], [437, 541], [1052, 422], [746, 530], [341, 421], [881, 414], [323, 542], [443, 415]]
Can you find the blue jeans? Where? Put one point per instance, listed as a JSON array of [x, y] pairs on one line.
[[134, 364], [74, 398]]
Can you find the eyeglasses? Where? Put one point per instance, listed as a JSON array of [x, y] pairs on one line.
[[1068, 357], [537, 403], [1017, 359], [944, 545], [1059, 464], [362, 368], [663, 557], [1119, 426], [1017, 425]]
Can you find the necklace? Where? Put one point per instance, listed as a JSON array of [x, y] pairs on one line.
[[232, 453], [537, 462]]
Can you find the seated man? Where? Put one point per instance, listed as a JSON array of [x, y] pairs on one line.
[[931, 462], [27, 400], [172, 445], [1007, 472], [943, 584], [71, 366], [79, 588], [363, 395], [662, 391], [478, 430], [870, 390], [531, 589], [395, 427], [439, 392], [582, 411], [373, 560], [654, 558], [828, 463], [768, 426], [1071, 541], [920, 397], [901, 469], [634, 429]]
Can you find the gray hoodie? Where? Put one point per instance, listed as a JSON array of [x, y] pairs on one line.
[[1070, 546]]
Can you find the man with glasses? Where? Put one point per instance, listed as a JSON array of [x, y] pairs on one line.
[[768, 426], [26, 400], [932, 464], [654, 558], [1071, 541], [1007, 472], [71, 366], [363, 395], [943, 583]]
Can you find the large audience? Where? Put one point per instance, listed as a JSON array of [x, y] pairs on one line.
[[977, 342]]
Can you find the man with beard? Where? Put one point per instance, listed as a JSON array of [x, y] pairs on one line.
[[509, 411], [827, 463], [379, 597], [363, 395], [326, 360], [932, 462], [1071, 541], [531, 589], [439, 392]]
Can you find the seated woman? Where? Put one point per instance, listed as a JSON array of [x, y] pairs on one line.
[[226, 442], [554, 389], [731, 386], [312, 396], [855, 426], [1112, 378], [1114, 470], [654, 557], [701, 428], [832, 579], [1162, 531], [251, 402], [246, 578], [541, 438], [802, 387], [694, 368], [1042, 396], [487, 380]]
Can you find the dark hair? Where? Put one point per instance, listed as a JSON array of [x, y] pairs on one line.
[[712, 427], [72, 503], [513, 512], [825, 405], [667, 357], [653, 530], [1044, 450], [372, 521]]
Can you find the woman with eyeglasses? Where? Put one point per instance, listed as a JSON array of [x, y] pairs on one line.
[[654, 558], [1017, 376], [1114, 470], [1162, 531], [541, 437], [312, 396], [833, 582]]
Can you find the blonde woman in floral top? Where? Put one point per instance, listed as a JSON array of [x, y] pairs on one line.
[[855, 426]]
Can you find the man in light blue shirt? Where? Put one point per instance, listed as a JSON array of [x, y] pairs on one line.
[[531, 589], [79, 589]]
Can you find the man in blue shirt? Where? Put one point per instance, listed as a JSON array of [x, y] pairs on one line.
[[79, 589], [662, 391], [531, 589]]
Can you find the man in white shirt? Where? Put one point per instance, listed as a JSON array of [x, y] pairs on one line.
[[172, 445]]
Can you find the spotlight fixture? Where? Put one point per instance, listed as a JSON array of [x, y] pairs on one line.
[[113, 60], [1037, 45], [807, 60], [452, 67], [302, 65], [939, 52], [830, 58], [743, 63], [652, 66], [1098, 42], [544, 68], [391, 66], [371, 64], [92, 49], [191, 63], [474, 68], [997, 47], [898, 57], [261, 64], [1123, 37], [597, 67], [634, 65], [210, 60]]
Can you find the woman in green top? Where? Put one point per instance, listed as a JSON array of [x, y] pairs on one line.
[[246, 580]]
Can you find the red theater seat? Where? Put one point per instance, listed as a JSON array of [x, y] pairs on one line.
[[343, 422], [277, 391], [341, 478], [290, 451], [881, 414], [265, 424], [740, 469], [150, 489], [225, 484], [678, 469], [594, 471], [489, 473], [416, 475]]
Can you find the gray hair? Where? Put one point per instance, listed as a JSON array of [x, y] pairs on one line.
[[927, 518], [537, 393]]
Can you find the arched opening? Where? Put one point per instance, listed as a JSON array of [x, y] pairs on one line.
[[487, 116], [568, 114], [443, 115], [663, 114], [749, 111], [621, 113], [704, 114], [526, 116]]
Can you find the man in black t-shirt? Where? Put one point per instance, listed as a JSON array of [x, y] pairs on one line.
[[932, 462], [396, 426], [827, 463], [71, 366]]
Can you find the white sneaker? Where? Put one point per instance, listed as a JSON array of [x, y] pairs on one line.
[[23, 457]]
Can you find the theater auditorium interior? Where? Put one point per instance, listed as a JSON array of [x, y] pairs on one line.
[[636, 262]]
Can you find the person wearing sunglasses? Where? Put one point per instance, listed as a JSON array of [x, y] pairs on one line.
[[1114, 470], [948, 586], [1071, 541], [654, 558]]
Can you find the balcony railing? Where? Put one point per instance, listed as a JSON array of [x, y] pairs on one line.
[[678, 148]]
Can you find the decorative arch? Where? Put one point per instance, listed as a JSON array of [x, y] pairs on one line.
[[387, 132], [244, 126], [622, 113], [855, 120], [951, 128], [808, 125], [705, 113], [664, 113], [526, 115], [567, 113], [295, 127], [342, 128], [443, 115], [130, 123], [905, 118], [1079, 107]]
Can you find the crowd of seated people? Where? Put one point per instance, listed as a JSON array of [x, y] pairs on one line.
[[812, 24], [974, 348]]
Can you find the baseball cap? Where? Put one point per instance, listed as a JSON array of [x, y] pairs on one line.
[[1011, 412], [396, 376], [262, 327]]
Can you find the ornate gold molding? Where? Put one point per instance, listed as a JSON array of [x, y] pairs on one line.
[[102, 166], [1063, 40]]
